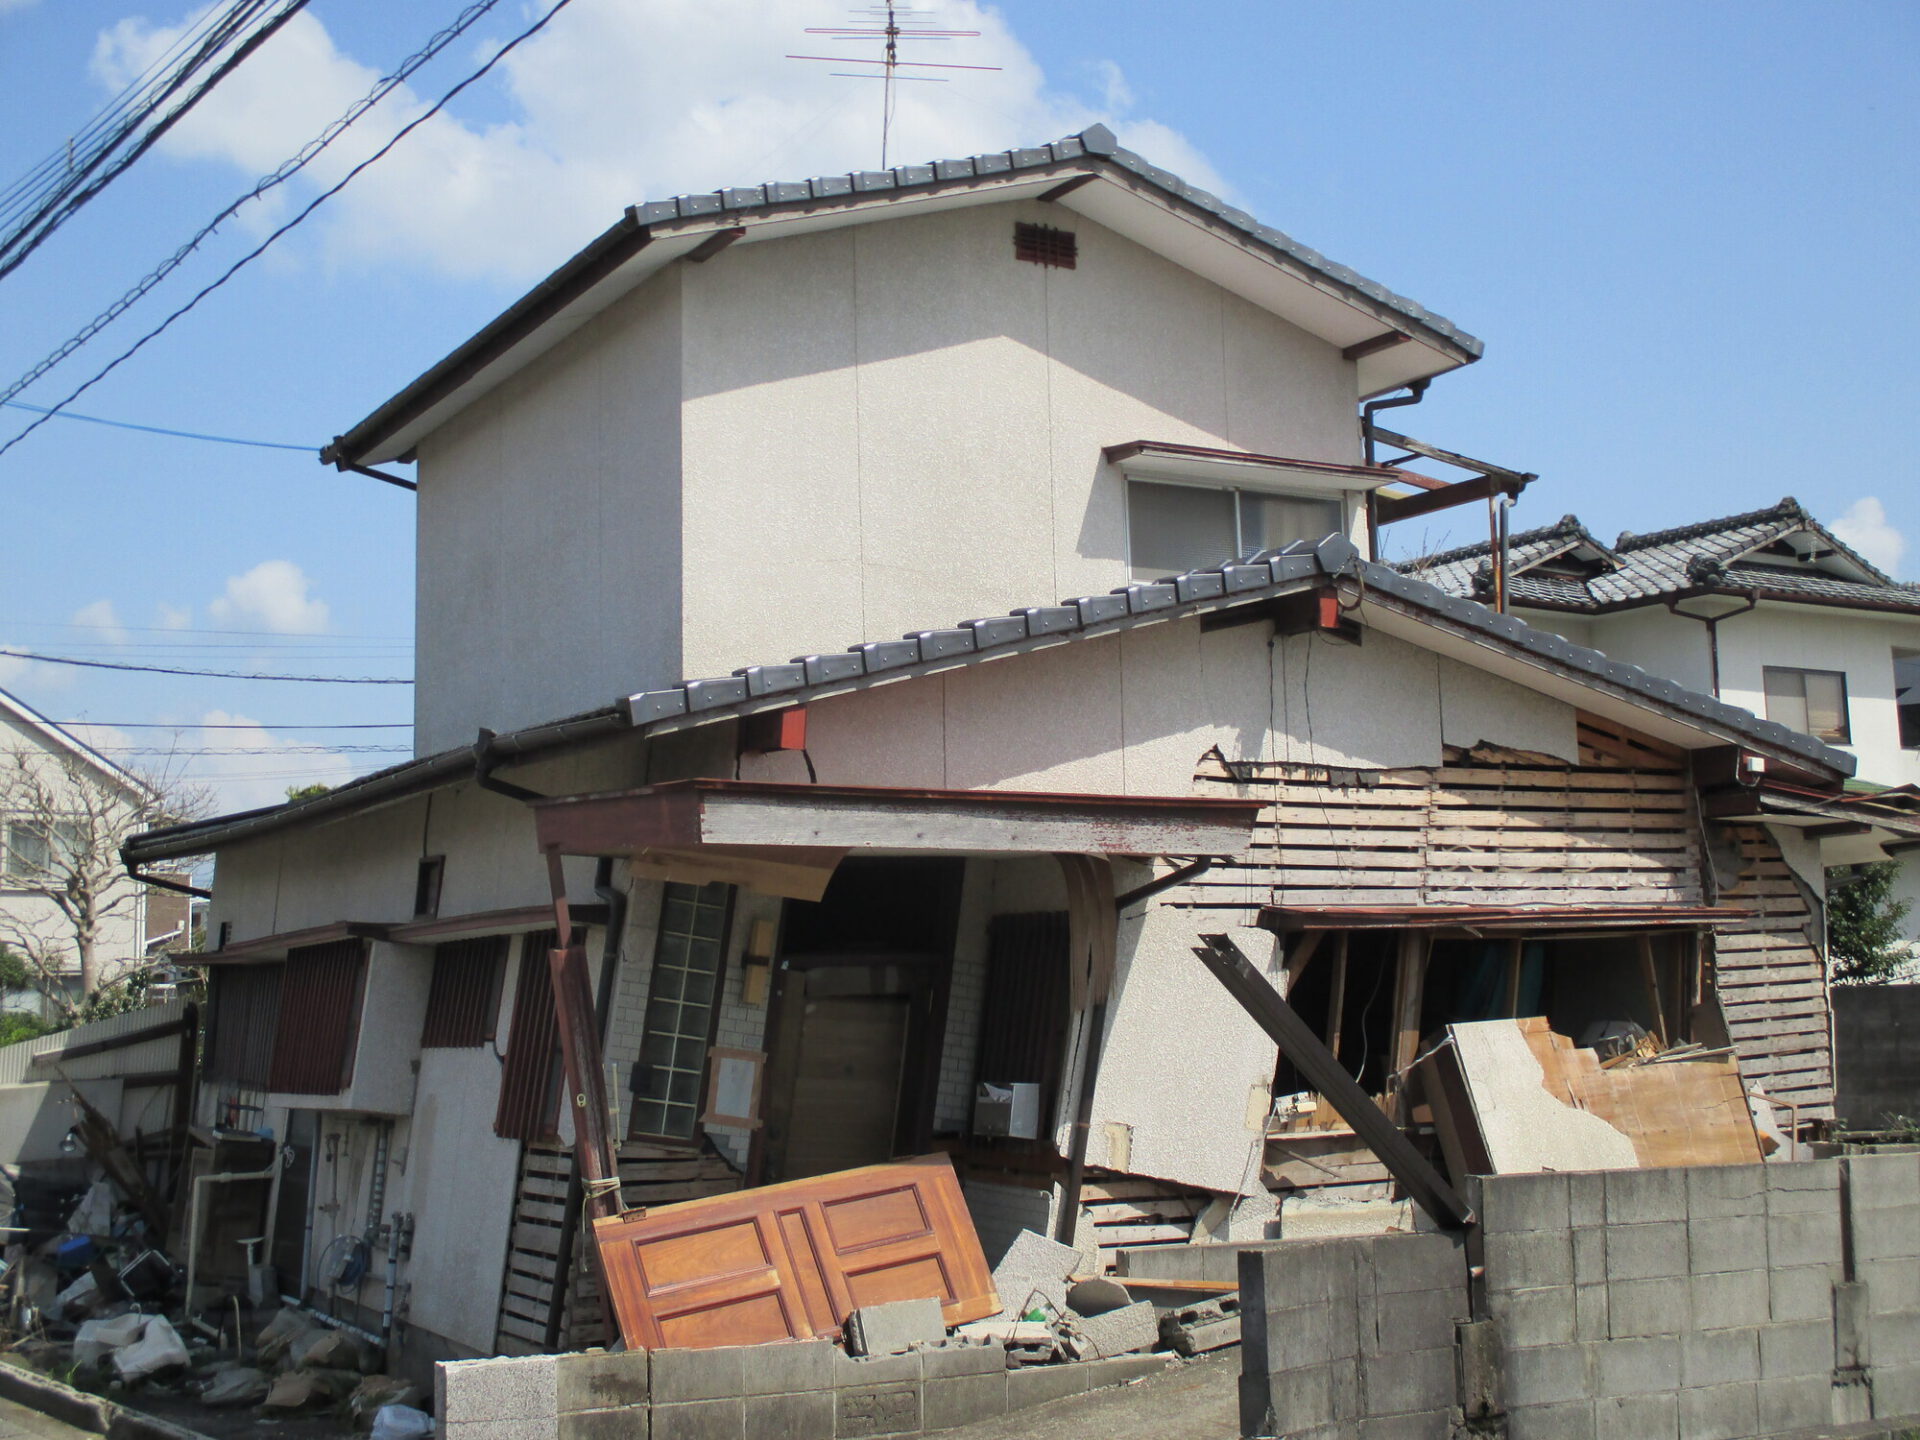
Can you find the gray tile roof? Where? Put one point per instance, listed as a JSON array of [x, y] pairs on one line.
[[1691, 559]]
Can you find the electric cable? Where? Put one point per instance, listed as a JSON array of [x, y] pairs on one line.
[[287, 170], [158, 430], [301, 215], [262, 725], [208, 674], [14, 249]]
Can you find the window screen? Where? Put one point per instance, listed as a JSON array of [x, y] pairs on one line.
[[321, 987], [1906, 695], [687, 970], [464, 998], [1175, 528], [1813, 702], [243, 1008], [529, 1080]]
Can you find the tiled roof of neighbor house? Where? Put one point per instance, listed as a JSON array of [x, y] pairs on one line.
[[1701, 558], [1092, 152], [1263, 576]]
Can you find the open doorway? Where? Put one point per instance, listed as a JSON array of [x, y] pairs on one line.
[[858, 1013]]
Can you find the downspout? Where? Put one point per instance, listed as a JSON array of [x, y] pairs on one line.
[[1416, 392], [1504, 507], [615, 900], [1712, 622]]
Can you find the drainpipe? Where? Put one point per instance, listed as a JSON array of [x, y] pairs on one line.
[[1416, 392], [1503, 507], [1712, 622]]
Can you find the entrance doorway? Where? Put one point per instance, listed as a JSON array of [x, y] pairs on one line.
[[858, 1015]]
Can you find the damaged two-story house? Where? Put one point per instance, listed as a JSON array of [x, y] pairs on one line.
[[742, 543]]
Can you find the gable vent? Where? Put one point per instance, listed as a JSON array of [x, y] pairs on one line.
[[1044, 245]]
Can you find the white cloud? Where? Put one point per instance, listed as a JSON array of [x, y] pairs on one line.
[[271, 596], [255, 767], [100, 616], [172, 617], [610, 105], [10, 5], [1864, 526], [20, 674]]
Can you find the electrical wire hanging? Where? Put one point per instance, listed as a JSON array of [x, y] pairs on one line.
[[301, 215], [287, 170], [208, 674], [57, 208]]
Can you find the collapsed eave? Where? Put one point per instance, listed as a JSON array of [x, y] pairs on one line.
[[1390, 339]]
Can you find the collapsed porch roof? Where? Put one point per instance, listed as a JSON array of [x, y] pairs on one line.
[[787, 838]]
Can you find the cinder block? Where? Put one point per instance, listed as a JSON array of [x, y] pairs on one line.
[[1794, 1402], [1590, 1256], [1897, 1337], [883, 1410], [895, 1327], [1535, 1317], [795, 1366], [1572, 1421], [1719, 1357], [1893, 1285], [685, 1375], [963, 1400], [1803, 1292], [1637, 1417], [1881, 1182], [1038, 1384], [1720, 1412], [600, 1379], [1803, 1347], [1635, 1367], [1726, 1242], [1256, 1409], [1415, 1380], [620, 1424], [1124, 1331], [1896, 1389], [1591, 1320], [1529, 1259], [1418, 1262], [1640, 1197], [1523, 1202], [1804, 1238], [1421, 1320], [1646, 1252], [804, 1415], [1550, 1375], [1637, 1308], [1291, 1275], [508, 1388], [1587, 1199], [1852, 1327], [1298, 1401], [1890, 1233], [950, 1361], [1799, 1187], [1725, 1191], [1034, 1266], [852, 1372], [1423, 1425], [1731, 1297], [1294, 1339], [699, 1420], [545, 1427]]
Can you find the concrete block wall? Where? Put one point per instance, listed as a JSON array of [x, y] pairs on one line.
[[807, 1390], [1883, 1253], [1351, 1337]]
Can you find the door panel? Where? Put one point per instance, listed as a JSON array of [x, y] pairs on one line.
[[846, 1095], [792, 1261]]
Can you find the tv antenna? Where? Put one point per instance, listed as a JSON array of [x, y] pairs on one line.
[[884, 25]]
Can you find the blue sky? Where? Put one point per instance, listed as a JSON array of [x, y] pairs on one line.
[[1684, 231]]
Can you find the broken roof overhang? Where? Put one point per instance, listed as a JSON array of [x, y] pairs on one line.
[[1493, 919], [1850, 829], [1388, 600], [1390, 339]]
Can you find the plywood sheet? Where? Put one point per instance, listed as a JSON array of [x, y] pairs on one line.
[[792, 1261]]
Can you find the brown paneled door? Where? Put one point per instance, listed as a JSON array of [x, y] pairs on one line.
[[792, 1261]]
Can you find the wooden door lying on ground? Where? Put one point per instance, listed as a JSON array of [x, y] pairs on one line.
[[792, 1261]]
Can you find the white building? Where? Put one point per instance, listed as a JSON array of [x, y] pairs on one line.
[[783, 421]]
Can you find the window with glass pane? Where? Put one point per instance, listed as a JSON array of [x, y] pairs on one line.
[[687, 963], [1906, 695], [1175, 528], [1813, 702], [30, 852]]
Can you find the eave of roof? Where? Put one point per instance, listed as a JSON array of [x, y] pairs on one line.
[[71, 743], [666, 229], [1263, 577]]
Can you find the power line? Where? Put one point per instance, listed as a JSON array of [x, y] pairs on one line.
[[208, 674], [308, 209], [159, 725], [288, 169], [157, 430], [17, 246], [256, 750]]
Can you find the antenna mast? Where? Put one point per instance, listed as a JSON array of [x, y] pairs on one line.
[[887, 29]]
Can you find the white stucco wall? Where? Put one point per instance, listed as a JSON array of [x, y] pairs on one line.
[[886, 427]]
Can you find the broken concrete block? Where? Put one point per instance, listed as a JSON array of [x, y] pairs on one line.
[[999, 1331], [241, 1385], [896, 1327], [1196, 1329], [1034, 1274], [1097, 1296], [98, 1339], [1118, 1332]]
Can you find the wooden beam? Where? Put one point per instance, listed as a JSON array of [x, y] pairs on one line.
[[714, 244], [1409, 987], [1650, 974], [1065, 188], [1337, 1006], [1389, 508], [1303, 950], [1360, 350], [1429, 1189], [1516, 961]]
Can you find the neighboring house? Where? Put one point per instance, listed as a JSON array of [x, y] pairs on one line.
[[62, 800], [816, 901], [1768, 610]]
